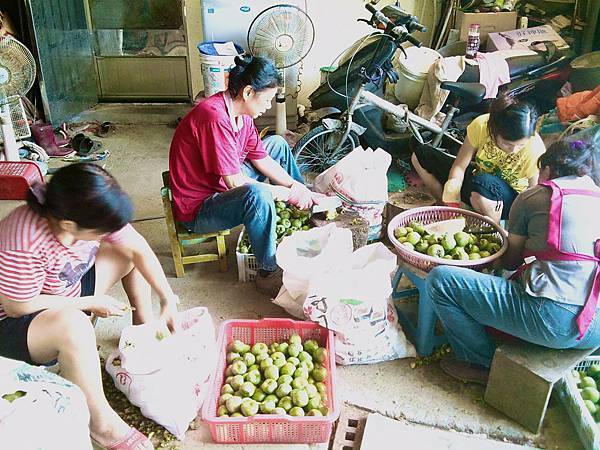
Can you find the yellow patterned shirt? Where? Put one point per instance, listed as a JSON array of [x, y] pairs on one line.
[[514, 168]]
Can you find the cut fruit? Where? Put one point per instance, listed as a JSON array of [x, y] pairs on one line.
[[450, 226]]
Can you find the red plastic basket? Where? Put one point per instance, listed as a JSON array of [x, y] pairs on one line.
[[16, 178], [432, 214], [266, 428]]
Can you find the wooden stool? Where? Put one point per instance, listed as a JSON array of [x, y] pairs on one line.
[[422, 334], [180, 237]]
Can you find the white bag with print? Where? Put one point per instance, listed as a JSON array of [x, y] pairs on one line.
[[355, 304], [40, 410], [167, 375]]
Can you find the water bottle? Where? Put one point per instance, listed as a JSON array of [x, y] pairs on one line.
[[473, 40]]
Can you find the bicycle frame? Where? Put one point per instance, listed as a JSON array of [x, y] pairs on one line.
[[365, 98]]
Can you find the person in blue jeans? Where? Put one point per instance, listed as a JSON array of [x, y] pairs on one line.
[[219, 166], [551, 301]]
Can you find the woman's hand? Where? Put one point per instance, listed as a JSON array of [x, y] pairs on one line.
[[302, 197], [103, 306], [169, 313]]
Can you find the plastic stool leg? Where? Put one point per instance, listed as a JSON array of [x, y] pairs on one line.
[[398, 294]]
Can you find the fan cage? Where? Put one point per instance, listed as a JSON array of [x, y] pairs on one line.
[[17, 61], [279, 23]]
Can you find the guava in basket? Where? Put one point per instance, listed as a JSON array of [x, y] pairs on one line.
[[459, 245]]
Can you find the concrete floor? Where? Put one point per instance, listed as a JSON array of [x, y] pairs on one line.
[[425, 396]]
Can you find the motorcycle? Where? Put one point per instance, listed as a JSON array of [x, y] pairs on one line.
[[368, 64]]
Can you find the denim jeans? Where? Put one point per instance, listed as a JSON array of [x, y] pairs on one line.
[[251, 205], [466, 301]]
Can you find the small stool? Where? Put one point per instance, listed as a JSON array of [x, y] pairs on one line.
[[423, 334], [180, 237]]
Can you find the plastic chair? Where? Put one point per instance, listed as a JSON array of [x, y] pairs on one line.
[[180, 238], [422, 334], [17, 177]]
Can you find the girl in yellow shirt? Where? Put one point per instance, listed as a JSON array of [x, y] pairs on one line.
[[497, 161]]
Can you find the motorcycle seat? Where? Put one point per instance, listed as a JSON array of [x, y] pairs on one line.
[[470, 92], [518, 65]]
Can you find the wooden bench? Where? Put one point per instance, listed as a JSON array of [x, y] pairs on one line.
[[522, 376]]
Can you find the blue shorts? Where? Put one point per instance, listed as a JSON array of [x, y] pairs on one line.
[[489, 186], [14, 330]]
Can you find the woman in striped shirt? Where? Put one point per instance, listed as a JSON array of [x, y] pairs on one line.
[[59, 256]]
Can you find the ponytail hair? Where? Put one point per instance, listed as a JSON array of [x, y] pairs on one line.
[[85, 194], [254, 71], [575, 158], [511, 119]]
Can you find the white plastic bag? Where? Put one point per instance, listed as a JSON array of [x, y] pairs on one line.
[[167, 375], [305, 254], [359, 179], [39, 409], [354, 303]]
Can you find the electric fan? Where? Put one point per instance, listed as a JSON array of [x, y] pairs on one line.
[[284, 34], [17, 74]]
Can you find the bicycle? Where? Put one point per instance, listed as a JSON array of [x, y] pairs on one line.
[[326, 144]]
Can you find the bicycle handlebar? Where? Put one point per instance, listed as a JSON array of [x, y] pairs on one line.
[[413, 40], [400, 30]]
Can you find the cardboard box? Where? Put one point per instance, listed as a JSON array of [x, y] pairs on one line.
[[489, 22], [522, 38]]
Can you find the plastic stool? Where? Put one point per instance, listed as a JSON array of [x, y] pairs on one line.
[[422, 334]]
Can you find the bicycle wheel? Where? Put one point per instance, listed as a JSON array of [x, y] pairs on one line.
[[314, 151]]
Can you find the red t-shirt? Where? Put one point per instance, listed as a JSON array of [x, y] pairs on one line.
[[207, 145], [34, 262]]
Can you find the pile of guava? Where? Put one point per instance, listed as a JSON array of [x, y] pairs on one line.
[[289, 219], [587, 384], [281, 378]]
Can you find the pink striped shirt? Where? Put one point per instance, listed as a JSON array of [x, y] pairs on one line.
[[34, 262]]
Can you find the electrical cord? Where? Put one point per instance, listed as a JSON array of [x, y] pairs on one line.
[[360, 46]]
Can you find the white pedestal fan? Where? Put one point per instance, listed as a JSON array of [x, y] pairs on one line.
[[17, 74], [284, 34]]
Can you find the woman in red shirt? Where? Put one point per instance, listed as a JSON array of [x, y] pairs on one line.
[[218, 166], [59, 256]]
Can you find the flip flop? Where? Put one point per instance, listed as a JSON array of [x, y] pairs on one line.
[[130, 441], [83, 145]]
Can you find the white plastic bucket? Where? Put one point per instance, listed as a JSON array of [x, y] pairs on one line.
[[215, 68], [215, 71], [412, 72]]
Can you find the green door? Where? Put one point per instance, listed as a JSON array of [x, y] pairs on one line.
[[63, 43]]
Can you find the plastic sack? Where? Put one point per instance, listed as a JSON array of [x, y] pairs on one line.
[[166, 375], [354, 303], [304, 254], [359, 179], [40, 410]]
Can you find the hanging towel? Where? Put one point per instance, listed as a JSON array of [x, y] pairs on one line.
[[493, 72], [433, 96]]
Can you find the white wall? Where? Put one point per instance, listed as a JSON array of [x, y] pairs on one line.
[[336, 29]]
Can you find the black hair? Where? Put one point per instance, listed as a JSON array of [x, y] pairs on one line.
[[86, 194], [259, 73], [511, 119], [570, 159]]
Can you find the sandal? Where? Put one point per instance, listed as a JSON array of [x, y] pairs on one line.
[[84, 146], [130, 441]]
